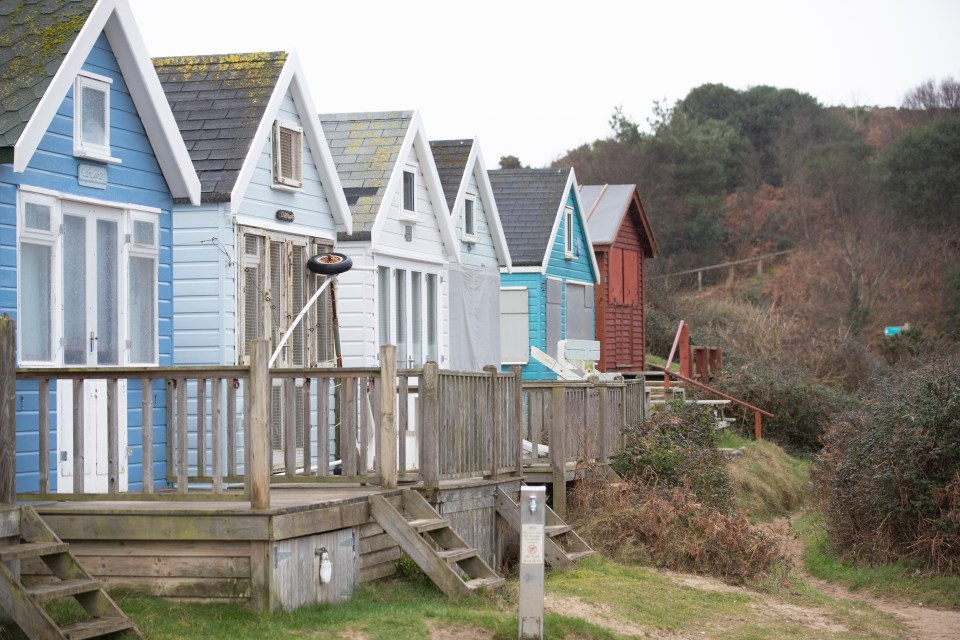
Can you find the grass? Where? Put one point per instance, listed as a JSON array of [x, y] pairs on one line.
[[900, 580], [660, 362], [768, 483]]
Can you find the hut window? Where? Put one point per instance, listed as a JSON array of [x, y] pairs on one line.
[[469, 222], [91, 116], [287, 154], [409, 187], [514, 326], [568, 232]]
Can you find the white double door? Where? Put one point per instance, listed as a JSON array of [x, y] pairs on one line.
[[93, 310]]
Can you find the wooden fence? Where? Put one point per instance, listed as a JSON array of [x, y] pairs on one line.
[[228, 433]]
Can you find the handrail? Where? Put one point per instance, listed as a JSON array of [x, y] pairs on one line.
[[673, 349], [721, 265], [695, 383]]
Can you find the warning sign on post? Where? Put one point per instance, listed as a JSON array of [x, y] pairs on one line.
[[531, 544]]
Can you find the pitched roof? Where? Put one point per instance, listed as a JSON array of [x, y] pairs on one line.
[[365, 148], [606, 205], [218, 102], [451, 158], [529, 201], [35, 37]]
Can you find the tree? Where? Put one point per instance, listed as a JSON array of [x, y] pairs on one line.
[[511, 162], [935, 99], [920, 173]]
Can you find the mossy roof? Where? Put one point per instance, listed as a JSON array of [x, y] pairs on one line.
[[35, 37], [218, 102], [365, 148], [528, 201], [451, 158]]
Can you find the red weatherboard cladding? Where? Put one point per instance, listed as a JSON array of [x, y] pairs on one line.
[[619, 300]]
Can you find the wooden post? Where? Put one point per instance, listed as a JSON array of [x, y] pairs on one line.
[[387, 453], [8, 410], [44, 448], [113, 438], [497, 421], [146, 419], [558, 454], [518, 415], [684, 348], [216, 436], [79, 390], [430, 434], [602, 416], [756, 425], [258, 429]]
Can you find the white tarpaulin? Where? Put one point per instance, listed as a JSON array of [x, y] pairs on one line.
[[474, 318]]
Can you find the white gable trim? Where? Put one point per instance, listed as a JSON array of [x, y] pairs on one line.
[[476, 166], [292, 78], [416, 137], [115, 19], [571, 184]]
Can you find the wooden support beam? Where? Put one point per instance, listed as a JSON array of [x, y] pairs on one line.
[[497, 421], [146, 413], [8, 410], [518, 414], [78, 401], [183, 444], [387, 454], [602, 415], [258, 428], [216, 435], [44, 423], [558, 453], [430, 434], [756, 425], [113, 438]]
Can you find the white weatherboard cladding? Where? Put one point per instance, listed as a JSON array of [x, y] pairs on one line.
[[204, 286], [309, 203], [481, 253], [426, 239], [357, 309]]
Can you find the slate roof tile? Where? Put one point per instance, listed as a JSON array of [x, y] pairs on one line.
[[365, 148], [218, 102], [451, 158], [528, 201], [35, 36]]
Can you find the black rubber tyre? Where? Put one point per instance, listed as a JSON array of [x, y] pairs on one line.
[[329, 264]]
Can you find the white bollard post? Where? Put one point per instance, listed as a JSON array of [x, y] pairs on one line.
[[532, 517]]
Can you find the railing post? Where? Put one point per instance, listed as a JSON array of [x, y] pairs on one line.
[[258, 430], [8, 410], [756, 425], [496, 421], [518, 415], [430, 435], [387, 455], [558, 454], [602, 416], [684, 351]]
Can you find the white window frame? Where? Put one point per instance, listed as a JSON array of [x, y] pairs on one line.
[[469, 221], [81, 147], [47, 238], [143, 250], [511, 358], [420, 328], [280, 127], [408, 215], [568, 232]]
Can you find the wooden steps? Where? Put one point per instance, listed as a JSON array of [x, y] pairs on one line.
[[433, 544], [24, 604], [562, 546]]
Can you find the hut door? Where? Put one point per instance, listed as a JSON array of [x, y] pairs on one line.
[[91, 314]]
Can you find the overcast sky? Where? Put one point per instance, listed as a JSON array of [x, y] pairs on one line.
[[534, 79]]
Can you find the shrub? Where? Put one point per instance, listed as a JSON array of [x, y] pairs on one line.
[[889, 475], [802, 406], [677, 447]]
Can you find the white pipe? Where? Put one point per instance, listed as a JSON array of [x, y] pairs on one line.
[[293, 326]]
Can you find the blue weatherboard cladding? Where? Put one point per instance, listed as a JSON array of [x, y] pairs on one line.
[[136, 180], [578, 269]]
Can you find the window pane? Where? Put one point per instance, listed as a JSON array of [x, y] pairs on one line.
[[35, 312], [144, 233], [401, 317], [417, 313], [143, 282], [432, 350], [107, 293], [469, 226], [36, 216], [383, 300], [408, 187], [93, 118], [74, 290]]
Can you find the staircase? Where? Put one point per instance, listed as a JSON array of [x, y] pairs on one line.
[[562, 546], [657, 393], [25, 604], [428, 538]]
